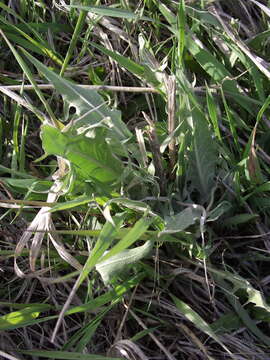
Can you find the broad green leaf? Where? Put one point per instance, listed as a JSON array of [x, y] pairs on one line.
[[112, 12], [91, 158], [22, 318], [257, 41], [226, 323], [65, 355], [133, 235], [202, 160], [260, 314], [197, 320], [202, 16], [117, 263], [218, 211], [181, 221], [91, 108], [254, 297], [240, 219]]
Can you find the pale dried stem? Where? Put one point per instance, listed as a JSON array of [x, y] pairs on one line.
[[7, 356], [132, 89], [155, 149], [118, 335], [194, 339]]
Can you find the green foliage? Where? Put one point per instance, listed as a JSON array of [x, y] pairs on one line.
[[116, 264], [89, 156], [197, 320], [202, 160], [24, 317], [146, 192], [65, 355]]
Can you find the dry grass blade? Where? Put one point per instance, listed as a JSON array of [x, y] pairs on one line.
[[253, 164], [141, 143], [115, 28], [118, 335], [7, 356], [42, 224], [155, 148], [169, 356], [259, 62], [19, 100], [64, 309], [194, 339], [128, 349]]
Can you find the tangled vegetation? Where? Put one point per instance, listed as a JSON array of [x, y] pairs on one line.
[[134, 179]]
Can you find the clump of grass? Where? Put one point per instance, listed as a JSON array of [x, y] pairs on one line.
[[134, 192]]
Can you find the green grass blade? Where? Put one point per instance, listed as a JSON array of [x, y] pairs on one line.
[[84, 335], [75, 36], [112, 12], [182, 30], [30, 77], [65, 355], [110, 296], [198, 321], [142, 72], [105, 239], [127, 63], [212, 112], [216, 70], [38, 45], [231, 121], [18, 319], [133, 235], [30, 26]]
